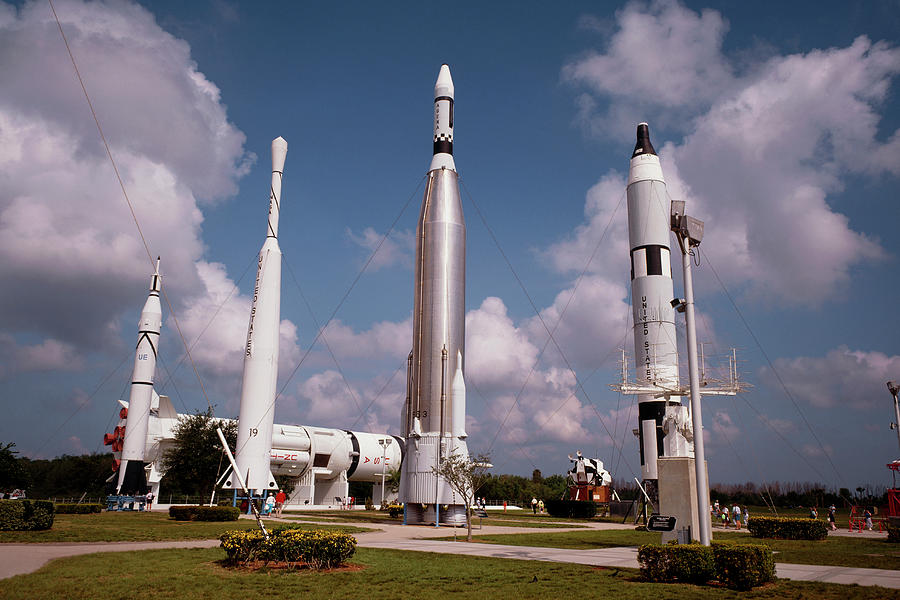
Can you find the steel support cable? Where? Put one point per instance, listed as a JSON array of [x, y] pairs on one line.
[[127, 199], [541, 319], [343, 298], [350, 289], [219, 308], [743, 422], [378, 395], [82, 404], [558, 321], [774, 370], [323, 337], [493, 415]]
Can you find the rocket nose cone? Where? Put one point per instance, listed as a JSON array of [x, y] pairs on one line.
[[279, 152], [643, 145], [444, 85]]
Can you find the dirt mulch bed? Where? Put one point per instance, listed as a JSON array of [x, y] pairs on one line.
[[261, 565]]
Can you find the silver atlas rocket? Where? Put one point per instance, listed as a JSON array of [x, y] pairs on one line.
[[132, 476], [257, 412], [434, 412], [663, 422]]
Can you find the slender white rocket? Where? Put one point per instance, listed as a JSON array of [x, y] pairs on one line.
[[132, 477], [655, 347], [257, 410]]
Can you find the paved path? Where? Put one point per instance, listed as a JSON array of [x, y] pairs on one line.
[[17, 559]]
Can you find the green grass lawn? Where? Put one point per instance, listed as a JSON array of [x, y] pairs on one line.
[[836, 551], [383, 574], [134, 527]]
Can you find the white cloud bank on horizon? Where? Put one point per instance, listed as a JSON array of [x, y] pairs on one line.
[[64, 226], [762, 150]]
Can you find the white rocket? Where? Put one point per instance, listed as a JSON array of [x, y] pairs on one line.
[[435, 410], [662, 419], [132, 477], [257, 412]]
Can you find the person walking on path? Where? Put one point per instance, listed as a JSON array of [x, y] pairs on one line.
[[541, 506], [726, 518], [280, 499], [746, 517], [270, 504], [868, 517], [534, 505], [831, 511], [813, 514], [736, 511], [149, 499]]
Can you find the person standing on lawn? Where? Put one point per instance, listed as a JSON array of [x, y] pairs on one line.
[[831, 519]]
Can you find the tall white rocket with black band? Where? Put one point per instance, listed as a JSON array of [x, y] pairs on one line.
[[132, 476], [435, 410], [662, 419], [257, 413]]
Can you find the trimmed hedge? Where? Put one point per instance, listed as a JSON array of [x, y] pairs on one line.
[[78, 509], [571, 509], [26, 515], [893, 534], [787, 528], [738, 566], [204, 513], [744, 566], [687, 563], [316, 549]]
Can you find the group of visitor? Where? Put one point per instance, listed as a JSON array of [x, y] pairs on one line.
[[736, 516], [537, 505]]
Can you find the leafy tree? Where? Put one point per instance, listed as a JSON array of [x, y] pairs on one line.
[[464, 476], [196, 457], [12, 471]]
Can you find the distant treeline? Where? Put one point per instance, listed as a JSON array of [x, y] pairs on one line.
[[61, 477], [782, 494]]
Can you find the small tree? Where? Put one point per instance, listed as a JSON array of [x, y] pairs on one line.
[[465, 477], [12, 470], [193, 461]]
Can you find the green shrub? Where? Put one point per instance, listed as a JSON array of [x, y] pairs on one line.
[[571, 509], [893, 534], [204, 513], [738, 566], [217, 513], [78, 509], [182, 513], [26, 515], [744, 566], [316, 549], [688, 563], [787, 528]]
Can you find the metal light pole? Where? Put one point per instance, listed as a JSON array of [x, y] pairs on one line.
[[894, 389], [384, 443], [689, 232]]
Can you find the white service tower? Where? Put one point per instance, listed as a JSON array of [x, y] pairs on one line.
[[132, 476], [662, 420], [435, 409], [257, 412]]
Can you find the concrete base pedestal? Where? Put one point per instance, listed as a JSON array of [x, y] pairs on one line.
[[678, 496]]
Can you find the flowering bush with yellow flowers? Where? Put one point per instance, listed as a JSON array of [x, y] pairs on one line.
[[315, 549]]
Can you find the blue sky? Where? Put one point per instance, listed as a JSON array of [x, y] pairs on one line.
[[778, 127]]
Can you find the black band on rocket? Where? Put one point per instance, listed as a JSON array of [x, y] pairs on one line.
[[444, 146]]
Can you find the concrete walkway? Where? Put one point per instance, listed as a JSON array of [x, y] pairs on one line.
[[18, 559]]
